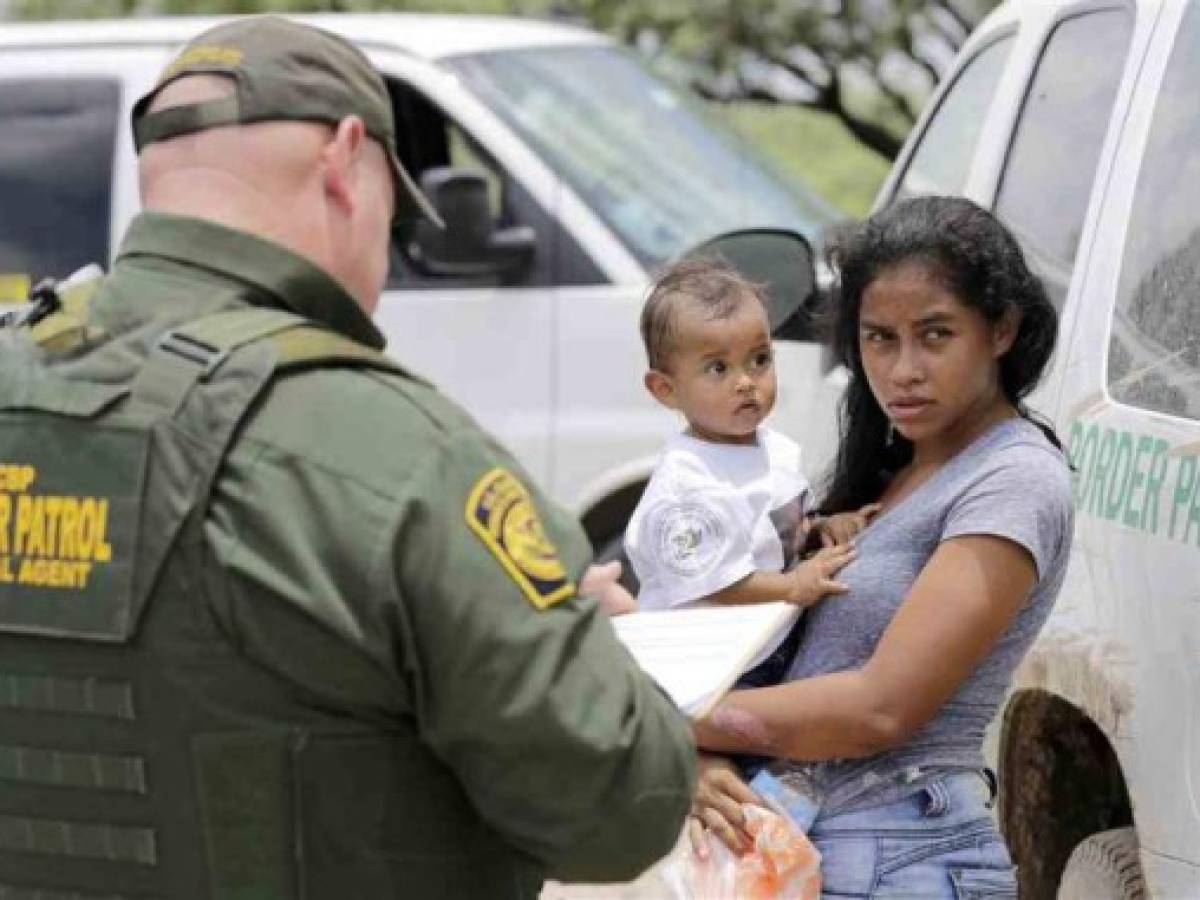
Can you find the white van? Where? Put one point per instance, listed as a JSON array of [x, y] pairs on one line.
[[589, 172], [1078, 122]]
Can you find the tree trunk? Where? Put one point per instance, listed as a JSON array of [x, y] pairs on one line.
[[874, 136]]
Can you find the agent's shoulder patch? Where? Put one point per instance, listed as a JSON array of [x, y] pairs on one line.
[[500, 510]]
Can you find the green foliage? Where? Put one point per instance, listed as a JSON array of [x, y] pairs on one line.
[[99, 9], [815, 148], [79, 9], [871, 63]]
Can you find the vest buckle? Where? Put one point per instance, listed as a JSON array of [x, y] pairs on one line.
[[206, 356]]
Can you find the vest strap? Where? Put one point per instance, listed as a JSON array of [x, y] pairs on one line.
[[306, 346], [187, 355]]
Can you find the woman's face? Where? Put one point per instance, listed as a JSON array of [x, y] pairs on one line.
[[931, 360]]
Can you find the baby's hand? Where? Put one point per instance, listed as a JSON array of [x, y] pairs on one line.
[[841, 528], [811, 579]]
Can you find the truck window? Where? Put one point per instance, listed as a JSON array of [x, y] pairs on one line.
[[56, 163], [1154, 348], [427, 138], [642, 154], [942, 160], [1047, 178]]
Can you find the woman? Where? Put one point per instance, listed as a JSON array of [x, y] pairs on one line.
[[944, 330]]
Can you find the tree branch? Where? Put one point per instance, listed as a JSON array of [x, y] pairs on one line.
[[899, 102], [826, 93], [874, 136], [829, 100], [952, 11], [907, 41]]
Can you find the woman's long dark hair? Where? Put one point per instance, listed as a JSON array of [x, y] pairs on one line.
[[981, 263]]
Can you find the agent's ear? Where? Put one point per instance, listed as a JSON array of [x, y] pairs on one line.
[[1004, 332], [661, 388], [341, 157]]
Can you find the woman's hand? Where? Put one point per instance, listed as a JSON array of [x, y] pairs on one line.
[[717, 806]]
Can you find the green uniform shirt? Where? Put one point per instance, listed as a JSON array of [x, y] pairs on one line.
[[360, 509]]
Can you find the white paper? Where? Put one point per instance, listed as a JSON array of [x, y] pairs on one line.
[[697, 653]]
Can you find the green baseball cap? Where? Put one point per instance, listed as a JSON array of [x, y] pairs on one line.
[[283, 71]]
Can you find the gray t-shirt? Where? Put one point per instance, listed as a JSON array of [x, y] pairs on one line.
[[1009, 482]]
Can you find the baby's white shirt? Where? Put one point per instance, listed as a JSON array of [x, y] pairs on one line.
[[713, 514]]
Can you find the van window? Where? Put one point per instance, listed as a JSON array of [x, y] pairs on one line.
[[1051, 164], [56, 162], [942, 160], [1154, 350]]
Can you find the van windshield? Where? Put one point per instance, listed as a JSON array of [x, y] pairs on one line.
[[660, 171]]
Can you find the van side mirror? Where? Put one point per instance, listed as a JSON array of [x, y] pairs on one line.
[[470, 246], [782, 261]]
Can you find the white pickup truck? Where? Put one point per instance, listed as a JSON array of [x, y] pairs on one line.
[[595, 171]]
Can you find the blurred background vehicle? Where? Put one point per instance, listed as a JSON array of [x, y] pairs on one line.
[[565, 172], [594, 170]]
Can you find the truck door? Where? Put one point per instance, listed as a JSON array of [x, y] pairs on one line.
[[487, 341]]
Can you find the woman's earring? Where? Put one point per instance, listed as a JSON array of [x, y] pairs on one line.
[[891, 435]]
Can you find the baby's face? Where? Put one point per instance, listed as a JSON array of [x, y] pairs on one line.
[[722, 374]]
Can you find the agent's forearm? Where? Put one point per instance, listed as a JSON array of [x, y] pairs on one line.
[[646, 791]]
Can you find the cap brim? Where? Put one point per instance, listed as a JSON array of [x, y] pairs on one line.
[[408, 196]]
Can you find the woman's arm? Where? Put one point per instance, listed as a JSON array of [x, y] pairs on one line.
[[959, 606]]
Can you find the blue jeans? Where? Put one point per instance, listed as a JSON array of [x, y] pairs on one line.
[[939, 843]]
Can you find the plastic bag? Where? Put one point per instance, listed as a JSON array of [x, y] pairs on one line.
[[782, 865]]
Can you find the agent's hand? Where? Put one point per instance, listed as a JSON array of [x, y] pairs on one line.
[[717, 806], [601, 584], [812, 579], [841, 528]]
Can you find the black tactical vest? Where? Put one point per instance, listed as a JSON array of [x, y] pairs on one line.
[[141, 755]]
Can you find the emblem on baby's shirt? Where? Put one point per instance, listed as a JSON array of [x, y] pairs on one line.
[[687, 537]]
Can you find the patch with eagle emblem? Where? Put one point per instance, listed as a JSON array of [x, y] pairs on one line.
[[500, 510]]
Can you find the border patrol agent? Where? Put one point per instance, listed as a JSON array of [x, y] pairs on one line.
[[276, 618]]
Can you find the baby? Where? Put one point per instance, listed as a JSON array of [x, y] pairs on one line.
[[727, 511]]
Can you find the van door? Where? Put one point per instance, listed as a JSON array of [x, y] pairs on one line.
[[1132, 407]]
